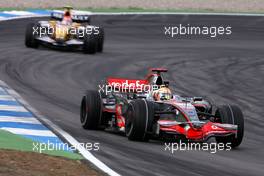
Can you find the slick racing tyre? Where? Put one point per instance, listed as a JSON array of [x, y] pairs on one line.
[[231, 114], [91, 110], [30, 36], [100, 46], [90, 43], [139, 120]]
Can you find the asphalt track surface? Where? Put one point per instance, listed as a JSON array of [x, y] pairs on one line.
[[227, 69]]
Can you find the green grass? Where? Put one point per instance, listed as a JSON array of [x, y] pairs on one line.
[[17, 142]]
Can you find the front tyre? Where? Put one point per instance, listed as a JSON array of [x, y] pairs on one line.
[[30, 36], [100, 46], [90, 43], [91, 110], [139, 120], [231, 114]]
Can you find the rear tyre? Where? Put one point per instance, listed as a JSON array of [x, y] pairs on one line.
[[231, 114], [30, 36], [100, 46], [91, 110], [90, 43], [139, 120]]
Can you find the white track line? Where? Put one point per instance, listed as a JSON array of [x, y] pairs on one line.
[[161, 13], [20, 131], [29, 120], [18, 12], [178, 13], [13, 108], [141, 13], [86, 154]]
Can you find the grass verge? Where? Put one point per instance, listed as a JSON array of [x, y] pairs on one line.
[[16, 142]]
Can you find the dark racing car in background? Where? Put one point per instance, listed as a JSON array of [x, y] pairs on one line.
[[69, 29], [142, 113]]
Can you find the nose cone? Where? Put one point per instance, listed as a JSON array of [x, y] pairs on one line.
[[61, 33]]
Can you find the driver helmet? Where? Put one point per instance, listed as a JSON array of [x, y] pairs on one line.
[[163, 93], [67, 19]]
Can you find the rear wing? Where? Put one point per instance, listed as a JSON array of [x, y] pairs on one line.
[[128, 85], [158, 70], [77, 16]]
